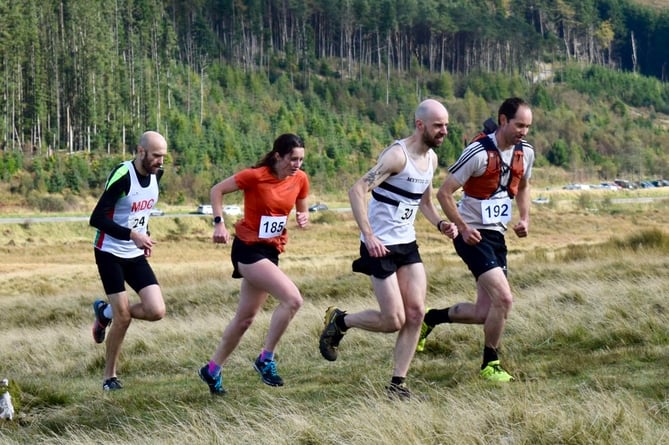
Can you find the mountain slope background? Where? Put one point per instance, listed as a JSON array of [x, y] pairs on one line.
[[221, 80]]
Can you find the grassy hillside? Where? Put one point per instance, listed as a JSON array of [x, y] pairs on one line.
[[587, 339], [658, 4]]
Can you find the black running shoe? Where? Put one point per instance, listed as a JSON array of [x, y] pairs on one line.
[[215, 383], [112, 384], [101, 322], [331, 335], [267, 371], [398, 391]]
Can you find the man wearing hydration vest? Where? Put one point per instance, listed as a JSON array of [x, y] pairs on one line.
[[493, 171]]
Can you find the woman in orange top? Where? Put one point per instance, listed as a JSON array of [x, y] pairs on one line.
[[271, 189]]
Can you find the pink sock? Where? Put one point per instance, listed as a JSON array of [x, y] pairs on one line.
[[214, 369]]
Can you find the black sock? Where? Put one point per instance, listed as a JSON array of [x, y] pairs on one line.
[[489, 355], [434, 317], [339, 321], [397, 380]]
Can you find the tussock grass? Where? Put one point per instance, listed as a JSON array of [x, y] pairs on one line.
[[587, 341]]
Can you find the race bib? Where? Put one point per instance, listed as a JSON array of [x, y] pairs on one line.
[[496, 210], [271, 226], [405, 213], [137, 223]]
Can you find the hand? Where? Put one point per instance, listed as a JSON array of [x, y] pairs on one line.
[[375, 248], [221, 234], [521, 229], [471, 236], [449, 229], [142, 241], [302, 219]]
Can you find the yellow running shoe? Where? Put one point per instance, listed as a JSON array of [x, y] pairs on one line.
[[495, 373], [331, 335], [425, 330]]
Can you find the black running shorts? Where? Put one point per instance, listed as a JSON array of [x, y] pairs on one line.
[[115, 272], [383, 267], [251, 253], [489, 253]]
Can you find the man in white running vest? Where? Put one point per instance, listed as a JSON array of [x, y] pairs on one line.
[[400, 184], [123, 244]]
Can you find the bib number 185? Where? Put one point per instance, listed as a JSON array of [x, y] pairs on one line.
[[271, 226]]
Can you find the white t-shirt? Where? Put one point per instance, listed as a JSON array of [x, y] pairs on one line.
[[473, 163]]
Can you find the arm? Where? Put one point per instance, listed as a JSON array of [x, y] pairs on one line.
[[100, 218], [523, 201], [390, 161], [430, 211], [228, 185], [450, 208], [159, 175], [301, 213]]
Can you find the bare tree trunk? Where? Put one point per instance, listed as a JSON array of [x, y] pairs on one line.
[[634, 58], [202, 93], [70, 135]]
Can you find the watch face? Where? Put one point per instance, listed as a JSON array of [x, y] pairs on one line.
[[217, 220]]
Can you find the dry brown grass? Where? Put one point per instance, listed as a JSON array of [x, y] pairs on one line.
[[587, 340], [657, 4]]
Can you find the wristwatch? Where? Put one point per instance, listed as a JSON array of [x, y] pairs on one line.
[[217, 219]]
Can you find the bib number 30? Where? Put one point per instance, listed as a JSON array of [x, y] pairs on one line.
[[405, 214], [271, 226], [496, 210]]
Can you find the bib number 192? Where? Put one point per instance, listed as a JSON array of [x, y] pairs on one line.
[[496, 211]]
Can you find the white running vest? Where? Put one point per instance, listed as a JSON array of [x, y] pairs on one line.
[[130, 211], [394, 203]]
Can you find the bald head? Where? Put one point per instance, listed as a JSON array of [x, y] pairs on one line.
[[431, 123], [152, 138], [151, 152], [430, 109]]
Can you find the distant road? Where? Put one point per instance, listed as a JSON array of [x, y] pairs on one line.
[[634, 200], [52, 219], [42, 219]]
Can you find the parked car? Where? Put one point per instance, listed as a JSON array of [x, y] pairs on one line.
[[541, 200], [232, 210], [576, 187], [205, 209], [156, 212], [609, 186], [624, 184], [318, 207]]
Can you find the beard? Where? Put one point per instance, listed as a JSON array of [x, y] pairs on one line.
[[149, 167], [431, 141]]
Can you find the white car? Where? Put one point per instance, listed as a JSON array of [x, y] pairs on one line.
[[318, 207], [232, 210], [205, 209]]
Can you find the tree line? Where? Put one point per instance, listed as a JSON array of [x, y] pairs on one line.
[[81, 79]]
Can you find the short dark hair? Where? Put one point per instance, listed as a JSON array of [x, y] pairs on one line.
[[509, 108]]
